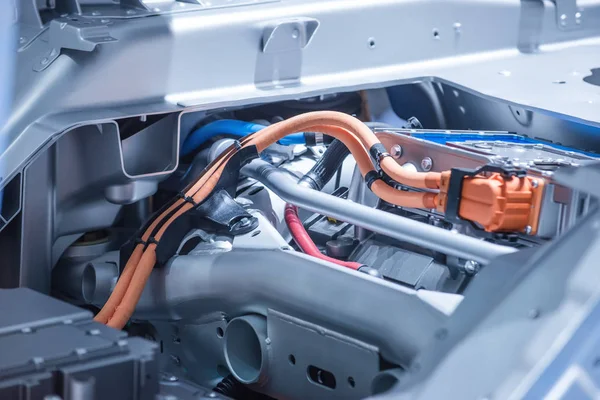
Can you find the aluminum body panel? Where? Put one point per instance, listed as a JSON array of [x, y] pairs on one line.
[[179, 68]]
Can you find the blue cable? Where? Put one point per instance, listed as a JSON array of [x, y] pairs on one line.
[[229, 127]]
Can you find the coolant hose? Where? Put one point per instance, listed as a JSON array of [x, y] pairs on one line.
[[304, 241], [326, 166], [229, 127]]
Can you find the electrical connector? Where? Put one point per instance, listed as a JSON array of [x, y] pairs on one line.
[[496, 199]]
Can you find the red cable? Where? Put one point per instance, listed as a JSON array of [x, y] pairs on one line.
[[304, 241]]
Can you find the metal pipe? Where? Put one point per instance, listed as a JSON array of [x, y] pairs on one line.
[[375, 220]]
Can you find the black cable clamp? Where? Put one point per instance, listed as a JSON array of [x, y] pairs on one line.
[[146, 243], [371, 177], [455, 186], [247, 154], [378, 152], [187, 199]]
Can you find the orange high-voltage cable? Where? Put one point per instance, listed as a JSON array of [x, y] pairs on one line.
[[362, 144], [121, 304]]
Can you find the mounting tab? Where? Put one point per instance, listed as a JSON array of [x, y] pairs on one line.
[[73, 33], [568, 15], [288, 35]]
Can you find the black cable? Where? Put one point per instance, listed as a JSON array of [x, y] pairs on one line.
[[326, 166]]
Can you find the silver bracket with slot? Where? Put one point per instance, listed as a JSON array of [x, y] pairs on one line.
[[288, 35], [283, 41], [568, 15], [74, 34]]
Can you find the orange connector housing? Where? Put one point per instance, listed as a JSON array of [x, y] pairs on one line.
[[496, 203]]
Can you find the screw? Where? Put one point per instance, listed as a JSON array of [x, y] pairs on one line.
[[528, 230], [245, 222], [534, 184], [426, 164], [396, 151], [295, 33], [471, 267], [22, 39], [95, 13], [534, 313]]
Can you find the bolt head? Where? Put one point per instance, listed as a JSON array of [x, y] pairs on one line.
[[528, 230], [471, 267], [245, 222], [426, 164], [396, 151], [535, 184]]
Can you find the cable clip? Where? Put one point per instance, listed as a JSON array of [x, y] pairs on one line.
[[371, 177], [378, 152], [187, 199]]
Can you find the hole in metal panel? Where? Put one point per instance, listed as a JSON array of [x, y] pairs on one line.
[[321, 377]]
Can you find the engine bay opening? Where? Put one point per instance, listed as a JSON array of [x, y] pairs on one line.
[[323, 220]]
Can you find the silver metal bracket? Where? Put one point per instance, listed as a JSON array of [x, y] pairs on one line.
[[288, 35], [280, 61], [75, 34], [568, 15]]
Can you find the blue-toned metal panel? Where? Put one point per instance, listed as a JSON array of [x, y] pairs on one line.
[[444, 137]]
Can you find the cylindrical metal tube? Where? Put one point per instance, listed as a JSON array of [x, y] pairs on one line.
[[372, 219], [246, 348]]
